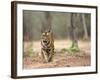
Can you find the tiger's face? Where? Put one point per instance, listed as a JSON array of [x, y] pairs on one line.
[[45, 37]]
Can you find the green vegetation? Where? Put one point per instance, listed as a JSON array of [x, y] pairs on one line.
[[73, 49]]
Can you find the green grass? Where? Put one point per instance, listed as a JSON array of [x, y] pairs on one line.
[[73, 50]]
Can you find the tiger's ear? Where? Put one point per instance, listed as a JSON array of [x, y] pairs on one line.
[[43, 33], [49, 30], [47, 33]]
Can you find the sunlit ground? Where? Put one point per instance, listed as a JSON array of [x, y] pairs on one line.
[[32, 53]]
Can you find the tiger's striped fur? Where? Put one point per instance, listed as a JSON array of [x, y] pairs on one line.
[[47, 46]]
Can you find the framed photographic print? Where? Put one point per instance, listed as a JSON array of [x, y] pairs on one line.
[[50, 39]]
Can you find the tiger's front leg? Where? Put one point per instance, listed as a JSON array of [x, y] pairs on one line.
[[51, 55], [45, 56]]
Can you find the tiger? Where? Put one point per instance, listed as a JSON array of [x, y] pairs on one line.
[[47, 46]]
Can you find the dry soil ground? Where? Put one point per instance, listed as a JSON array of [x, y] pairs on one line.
[[61, 58]]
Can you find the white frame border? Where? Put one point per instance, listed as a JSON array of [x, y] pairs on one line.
[[35, 72]]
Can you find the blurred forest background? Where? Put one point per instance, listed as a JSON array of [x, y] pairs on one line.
[[72, 33], [35, 21]]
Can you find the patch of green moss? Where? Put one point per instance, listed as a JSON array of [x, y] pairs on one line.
[[73, 50]]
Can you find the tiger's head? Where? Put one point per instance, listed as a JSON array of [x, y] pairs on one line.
[[46, 37]]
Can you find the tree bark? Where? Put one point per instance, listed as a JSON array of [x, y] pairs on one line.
[[46, 23], [85, 28], [74, 46]]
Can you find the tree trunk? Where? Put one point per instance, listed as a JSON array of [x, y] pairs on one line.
[[46, 22], [85, 28], [74, 47]]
